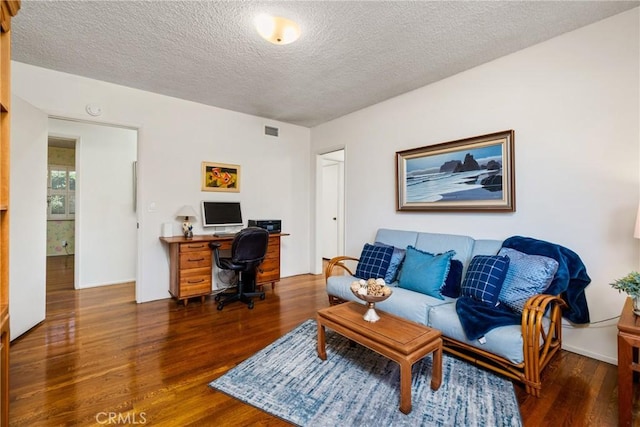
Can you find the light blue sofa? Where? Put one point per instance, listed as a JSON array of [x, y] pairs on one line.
[[508, 350]]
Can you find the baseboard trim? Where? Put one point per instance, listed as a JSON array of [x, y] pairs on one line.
[[592, 355]]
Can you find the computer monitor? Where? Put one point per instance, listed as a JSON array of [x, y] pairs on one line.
[[221, 214]]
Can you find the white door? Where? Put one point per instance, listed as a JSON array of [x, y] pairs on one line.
[[28, 217], [330, 210]]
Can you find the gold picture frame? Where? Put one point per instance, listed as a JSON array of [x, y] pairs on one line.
[[220, 177], [468, 175]]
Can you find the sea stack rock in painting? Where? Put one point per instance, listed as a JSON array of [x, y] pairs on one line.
[[450, 166], [492, 183], [468, 165], [492, 165]]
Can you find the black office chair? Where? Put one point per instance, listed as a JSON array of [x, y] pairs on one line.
[[248, 249]]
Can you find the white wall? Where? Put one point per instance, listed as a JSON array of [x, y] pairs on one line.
[[174, 137], [573, 102], [106, 234]]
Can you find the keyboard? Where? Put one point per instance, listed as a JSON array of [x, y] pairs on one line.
[[225, 234]]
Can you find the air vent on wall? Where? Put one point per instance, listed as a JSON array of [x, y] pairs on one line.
[[271, 131]]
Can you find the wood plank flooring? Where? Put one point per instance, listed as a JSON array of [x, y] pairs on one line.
[[99, 354]]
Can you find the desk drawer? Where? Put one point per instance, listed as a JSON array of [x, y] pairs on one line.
[[268, 277], [194, 247], [195, 289], [196, 281], [195, 259], [273, 249], [269, 271]]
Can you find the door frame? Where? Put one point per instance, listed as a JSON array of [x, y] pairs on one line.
[[316, 261], [80, 190]]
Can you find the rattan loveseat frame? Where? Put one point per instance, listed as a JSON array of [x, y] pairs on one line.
[[540, 343]]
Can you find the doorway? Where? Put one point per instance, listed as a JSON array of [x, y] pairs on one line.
[[100, 203], [61, 202], [331, 206], [103, 196]]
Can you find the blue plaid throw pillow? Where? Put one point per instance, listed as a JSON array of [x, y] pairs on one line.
[[397, 257], [485, 277], [374, 262]]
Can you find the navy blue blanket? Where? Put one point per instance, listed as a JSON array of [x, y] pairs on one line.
[[571, 279], [478, 318]]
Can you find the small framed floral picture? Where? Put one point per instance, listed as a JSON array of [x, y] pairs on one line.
[[220, 177]]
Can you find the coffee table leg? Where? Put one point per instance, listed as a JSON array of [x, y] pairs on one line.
[[322, 354], [405, 387], [436, 368]]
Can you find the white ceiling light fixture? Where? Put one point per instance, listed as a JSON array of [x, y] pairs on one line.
[[276, 29]]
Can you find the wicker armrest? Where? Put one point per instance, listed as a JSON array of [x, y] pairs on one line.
[[338, 262], [534, 332]]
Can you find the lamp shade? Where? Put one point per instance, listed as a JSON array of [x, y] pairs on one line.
[[636, 232], [186, 212]]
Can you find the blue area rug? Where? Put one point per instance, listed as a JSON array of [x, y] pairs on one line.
[[357, 387]]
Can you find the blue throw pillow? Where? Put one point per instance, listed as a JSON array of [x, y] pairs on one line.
[[396, 261], [528, 275], [485, 277], [424, 272], [374, 262], [451, 287]]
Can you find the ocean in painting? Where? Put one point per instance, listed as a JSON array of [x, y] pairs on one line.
[[450, 186]]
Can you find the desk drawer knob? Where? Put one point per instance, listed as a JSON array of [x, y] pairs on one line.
[[195, 281], [196, 259]]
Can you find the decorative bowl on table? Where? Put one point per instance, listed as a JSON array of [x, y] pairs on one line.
[[371, 291]]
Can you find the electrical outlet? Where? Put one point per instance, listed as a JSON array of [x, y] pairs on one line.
[[64, 244]]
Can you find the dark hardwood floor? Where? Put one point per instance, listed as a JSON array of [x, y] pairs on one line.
[[98, 354]]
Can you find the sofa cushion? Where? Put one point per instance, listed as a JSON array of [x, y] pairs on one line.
[[411, 305], [504, 341], [452, 283], [374, 261], [486, 247], [437, 243], [528, 275], [484, 278], [397, 238], [424, 272], [402, 302], [394, 265]]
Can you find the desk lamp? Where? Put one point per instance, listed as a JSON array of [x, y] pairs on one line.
[[187, 212]]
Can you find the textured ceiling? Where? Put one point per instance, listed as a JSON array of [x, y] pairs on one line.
[[351, 54]]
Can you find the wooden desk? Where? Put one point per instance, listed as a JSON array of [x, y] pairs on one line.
[[191, 265], [628, 345]]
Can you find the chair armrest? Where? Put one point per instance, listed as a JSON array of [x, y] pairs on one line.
[[338, 262], [215, 246]]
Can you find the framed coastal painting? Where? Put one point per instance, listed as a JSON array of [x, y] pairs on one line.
[[220, 177], [471, 174]]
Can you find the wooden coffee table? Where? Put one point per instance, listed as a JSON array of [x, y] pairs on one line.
[[403, 341]]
